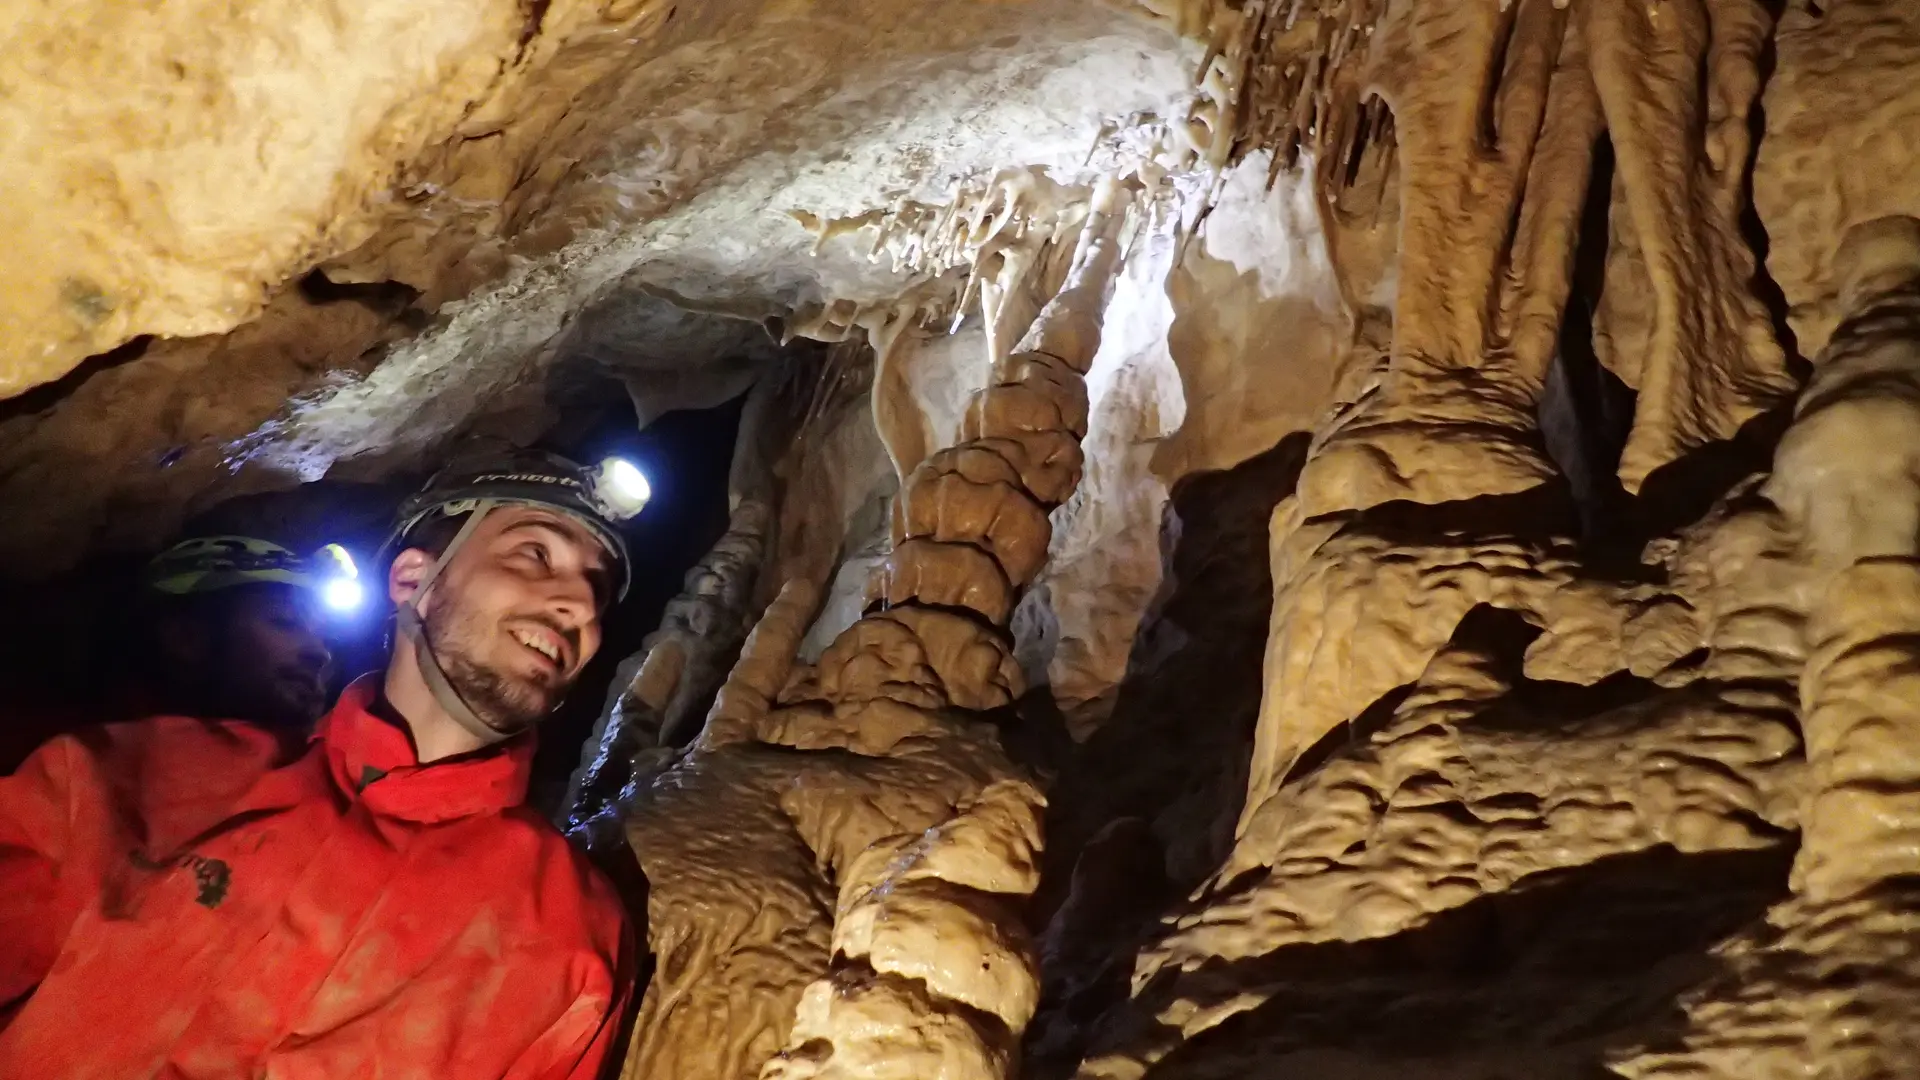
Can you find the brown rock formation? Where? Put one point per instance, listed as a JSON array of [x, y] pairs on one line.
[[1846, 488], [837, 867], [1380, 794]]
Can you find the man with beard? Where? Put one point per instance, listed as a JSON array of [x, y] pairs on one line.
[[177, 897], [225, 627], [234, 626]]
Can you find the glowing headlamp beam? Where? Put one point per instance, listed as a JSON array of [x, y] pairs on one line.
[[343, 594], [342, 590], [622, 488]]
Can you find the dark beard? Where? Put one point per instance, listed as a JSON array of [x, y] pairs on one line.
[[505, 704]]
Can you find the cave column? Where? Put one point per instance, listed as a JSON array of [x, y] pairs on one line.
[[1847, 477], [1823, 987], [1497, 118], [970, 530]]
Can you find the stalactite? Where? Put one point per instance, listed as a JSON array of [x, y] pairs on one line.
[[1012, 208], [901, 424], [1305, 75], [1385, 788], [1710, 360], [855, 810], [1452, 416]]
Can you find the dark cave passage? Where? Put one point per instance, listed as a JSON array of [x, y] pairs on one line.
[[686, 456], [73, 659]]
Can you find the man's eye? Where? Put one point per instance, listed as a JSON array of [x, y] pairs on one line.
[[538, 553]]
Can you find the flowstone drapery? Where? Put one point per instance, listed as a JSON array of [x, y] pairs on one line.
[[838, 864], [1787, 614], [1825, 986], [1464, 697]]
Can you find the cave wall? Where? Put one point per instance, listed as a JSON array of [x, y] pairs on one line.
[[1526, 786], [171, 164]]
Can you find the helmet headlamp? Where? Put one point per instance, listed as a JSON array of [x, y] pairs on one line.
[[620, 488], [340, 587]]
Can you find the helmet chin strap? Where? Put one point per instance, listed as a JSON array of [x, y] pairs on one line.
[[413, 628]]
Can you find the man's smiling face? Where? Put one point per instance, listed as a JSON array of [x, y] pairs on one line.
[[515, 615]]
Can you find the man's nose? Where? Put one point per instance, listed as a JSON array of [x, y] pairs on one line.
[[574, 605], [572, 608], [313, 652]]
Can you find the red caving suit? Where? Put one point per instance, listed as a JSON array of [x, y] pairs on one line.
[[173, 906]]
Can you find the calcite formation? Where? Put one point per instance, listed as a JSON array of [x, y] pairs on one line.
[[1824, 166], [658, 692], [677, 667], [1705, 701], [836, 866], [1824, 984]]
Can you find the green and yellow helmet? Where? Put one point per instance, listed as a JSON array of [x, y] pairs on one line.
[[207, 563]]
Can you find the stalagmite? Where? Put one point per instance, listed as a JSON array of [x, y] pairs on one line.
[[1825, 987], [1461, 792], [855, 813], [940, 894]]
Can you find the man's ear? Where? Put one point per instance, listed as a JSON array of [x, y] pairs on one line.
[[409, 569]]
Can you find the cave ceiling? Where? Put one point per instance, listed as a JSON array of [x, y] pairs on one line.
[[313, 241]]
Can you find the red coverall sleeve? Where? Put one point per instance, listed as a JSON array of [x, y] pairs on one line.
[[36, 839], [577, 1045]]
